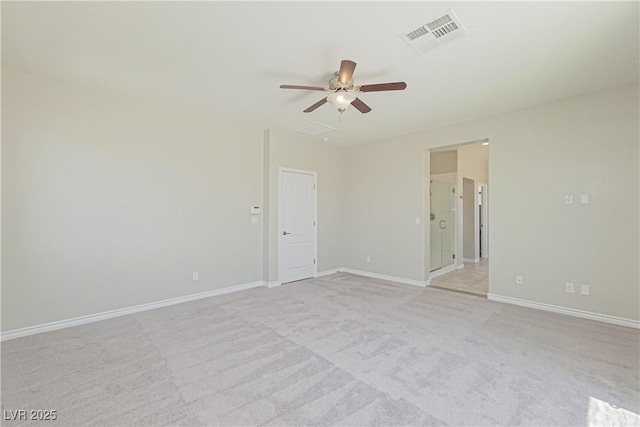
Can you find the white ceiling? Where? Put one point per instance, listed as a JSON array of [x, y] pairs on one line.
[[228, 59]]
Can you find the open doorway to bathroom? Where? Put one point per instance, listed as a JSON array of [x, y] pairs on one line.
[[459, 218]]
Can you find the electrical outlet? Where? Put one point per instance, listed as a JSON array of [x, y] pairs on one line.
[[368, 258], [568, 287], [585, 290], [195, 276], [519, 280], [568, 199]]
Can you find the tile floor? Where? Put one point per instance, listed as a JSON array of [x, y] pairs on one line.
[[472, 279]]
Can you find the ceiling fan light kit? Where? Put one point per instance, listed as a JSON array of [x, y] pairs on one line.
[[341, 100], [344, 91]]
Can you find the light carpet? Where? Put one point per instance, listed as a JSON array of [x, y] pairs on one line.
[[337, 350]]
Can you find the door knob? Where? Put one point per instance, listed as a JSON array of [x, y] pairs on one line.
[[284, 233]]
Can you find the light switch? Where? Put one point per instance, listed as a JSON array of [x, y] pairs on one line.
[[417, 220], [568, 199], [584, 199], [254, 220], [585, 290]]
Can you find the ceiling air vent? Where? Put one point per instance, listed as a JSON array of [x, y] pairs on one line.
[[314, 129], [434, 33]]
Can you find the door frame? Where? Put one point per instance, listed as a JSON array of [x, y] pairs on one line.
[[282, 170]]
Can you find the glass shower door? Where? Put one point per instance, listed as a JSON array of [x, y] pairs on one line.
[[442, 221]]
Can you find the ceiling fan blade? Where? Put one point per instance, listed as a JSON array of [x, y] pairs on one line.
[[316, 105], [302, 87], [346, 71], [383, 87], [361, 106]]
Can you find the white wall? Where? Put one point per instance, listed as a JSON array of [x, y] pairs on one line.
[[587, 144], [291, 150], [444, 162], [583, 144], [266, 207], [385, 190], [108, 202], [473, 162]]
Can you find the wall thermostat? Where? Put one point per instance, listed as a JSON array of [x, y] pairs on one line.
[[254, 210]]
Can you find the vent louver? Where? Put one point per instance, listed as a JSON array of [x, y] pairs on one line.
[[434, 33], [417, 33], [314, 129]]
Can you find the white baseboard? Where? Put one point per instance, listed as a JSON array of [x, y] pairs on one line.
[[459, 267], [83, 320], [274, 284], [474, 260], [385, 277], [327, 272], [440, 272], [630, 323]]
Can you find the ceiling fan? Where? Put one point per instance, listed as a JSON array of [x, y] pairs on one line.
[[344, 91]]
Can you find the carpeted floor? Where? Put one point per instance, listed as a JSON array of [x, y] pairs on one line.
[[342, 349]]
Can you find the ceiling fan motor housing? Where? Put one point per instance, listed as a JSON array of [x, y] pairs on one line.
[[334, 84]]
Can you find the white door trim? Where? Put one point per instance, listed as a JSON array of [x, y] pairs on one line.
[[281, 170]]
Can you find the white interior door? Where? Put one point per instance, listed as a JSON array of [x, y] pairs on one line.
[[297, 225]]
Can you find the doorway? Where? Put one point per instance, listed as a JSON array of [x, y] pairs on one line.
[[297, 230], [467, 166]]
